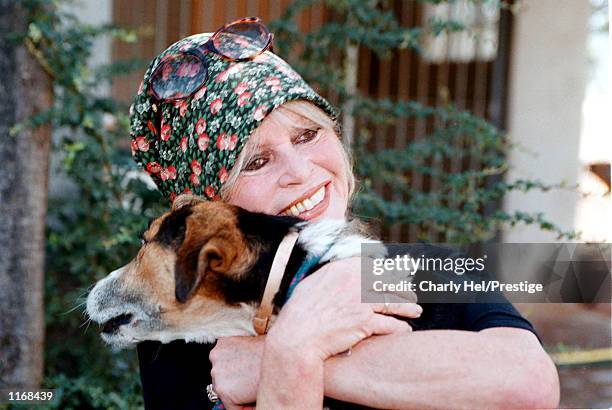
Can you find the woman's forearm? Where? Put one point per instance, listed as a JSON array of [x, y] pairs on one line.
[[290, 380], [445, 369]]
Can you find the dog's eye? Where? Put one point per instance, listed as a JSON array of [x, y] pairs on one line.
[[143, 241]]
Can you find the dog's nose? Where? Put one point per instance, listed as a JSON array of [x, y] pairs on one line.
[[111, 326]]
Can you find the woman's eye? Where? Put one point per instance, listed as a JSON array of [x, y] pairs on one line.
[[256, 164], [306, 136]]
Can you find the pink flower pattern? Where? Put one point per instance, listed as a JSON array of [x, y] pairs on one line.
[[243, 99], [200, 126], [203, 142], [226, 141], [223, 175], [216, 105], [218, 126], [196, 167]]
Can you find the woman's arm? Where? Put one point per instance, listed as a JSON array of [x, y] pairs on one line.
[[497, 367], [444, 368], [290, 379]]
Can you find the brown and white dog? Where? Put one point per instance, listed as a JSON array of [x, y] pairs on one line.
[[202, 269]]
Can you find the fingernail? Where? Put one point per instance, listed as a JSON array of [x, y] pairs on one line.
[[419, 309]]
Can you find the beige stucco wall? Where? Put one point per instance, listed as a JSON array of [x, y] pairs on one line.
[[96, 13], [547, 83]]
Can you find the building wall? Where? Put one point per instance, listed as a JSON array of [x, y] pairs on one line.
[[547, 82], [96, 13]]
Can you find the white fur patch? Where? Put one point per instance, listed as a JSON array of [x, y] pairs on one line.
[[334, 239], [227, 322]]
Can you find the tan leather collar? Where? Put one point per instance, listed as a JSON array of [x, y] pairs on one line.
[[261, 320]]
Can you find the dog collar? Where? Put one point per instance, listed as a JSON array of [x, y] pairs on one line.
[[306, 266], [277, 271]]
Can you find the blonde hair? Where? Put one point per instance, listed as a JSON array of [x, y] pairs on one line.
[[282, 116]]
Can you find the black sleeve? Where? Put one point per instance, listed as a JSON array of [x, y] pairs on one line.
[[479, 316], [485, 311], [473, 317], [175, 375]]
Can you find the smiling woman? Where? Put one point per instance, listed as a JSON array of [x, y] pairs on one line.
[[250, 132]]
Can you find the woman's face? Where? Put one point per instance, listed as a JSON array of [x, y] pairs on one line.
[[297, 170]]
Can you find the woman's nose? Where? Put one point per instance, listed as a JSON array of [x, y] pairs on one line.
[[297, 168]]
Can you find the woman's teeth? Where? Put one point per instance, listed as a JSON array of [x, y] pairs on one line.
[[307, 204]]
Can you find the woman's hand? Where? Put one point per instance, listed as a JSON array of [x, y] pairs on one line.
[[325, 315], [236, 363]]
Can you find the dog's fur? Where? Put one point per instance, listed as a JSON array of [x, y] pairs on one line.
[[202, 269]]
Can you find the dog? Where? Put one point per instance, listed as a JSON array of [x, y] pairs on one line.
[[202, 268]]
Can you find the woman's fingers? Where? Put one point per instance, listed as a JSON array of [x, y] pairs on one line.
[[384, 325], [390, 296], [410, 310]]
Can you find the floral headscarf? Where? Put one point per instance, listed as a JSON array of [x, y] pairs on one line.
[[199, 138]]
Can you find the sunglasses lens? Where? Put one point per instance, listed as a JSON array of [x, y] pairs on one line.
[[178, 76], [242, 40]]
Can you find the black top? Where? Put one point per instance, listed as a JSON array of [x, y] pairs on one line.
[[175, 375]]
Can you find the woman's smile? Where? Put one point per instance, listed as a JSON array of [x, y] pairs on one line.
[[310, 204]]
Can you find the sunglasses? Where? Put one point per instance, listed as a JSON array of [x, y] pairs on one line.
[[179, 76]]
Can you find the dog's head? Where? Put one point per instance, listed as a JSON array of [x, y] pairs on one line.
[[176, 287], [202, 269]]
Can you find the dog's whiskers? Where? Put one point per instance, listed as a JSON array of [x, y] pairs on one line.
[[86, 323], [83, 303]]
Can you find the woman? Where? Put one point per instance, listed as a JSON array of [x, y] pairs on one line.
[[227, 119]]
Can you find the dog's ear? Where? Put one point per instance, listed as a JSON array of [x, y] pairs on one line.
[[213, 247], [215, 256]]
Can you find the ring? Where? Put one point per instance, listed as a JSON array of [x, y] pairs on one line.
[[212, 395]]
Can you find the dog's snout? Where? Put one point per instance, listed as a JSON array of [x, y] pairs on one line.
[[111, 326]]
